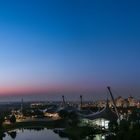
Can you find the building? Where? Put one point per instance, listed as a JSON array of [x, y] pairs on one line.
[[101, 118], [132, 102]]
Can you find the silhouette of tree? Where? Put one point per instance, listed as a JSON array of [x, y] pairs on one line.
[[113, 126], [13, 119], [1, 121], [63, 114], [124, 125], [1, 134], [73, 118], [13, 134]]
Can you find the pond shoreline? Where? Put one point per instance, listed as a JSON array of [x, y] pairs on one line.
[[50, 124]]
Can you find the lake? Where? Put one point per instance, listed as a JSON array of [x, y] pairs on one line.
[[40, 134], [32, 134]]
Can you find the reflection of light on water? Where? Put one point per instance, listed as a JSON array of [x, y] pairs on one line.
[[96, 137], [99, 137], [103, 137], [19, 130]]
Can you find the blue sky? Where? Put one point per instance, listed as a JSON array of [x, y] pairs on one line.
[[69, 46]]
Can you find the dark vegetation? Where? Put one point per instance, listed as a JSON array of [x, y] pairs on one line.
[[127, 129]]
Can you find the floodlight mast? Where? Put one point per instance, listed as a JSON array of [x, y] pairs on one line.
[[63, 99], [113, 100], [81, 101]]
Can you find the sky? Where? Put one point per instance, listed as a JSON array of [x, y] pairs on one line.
[[53, 47]]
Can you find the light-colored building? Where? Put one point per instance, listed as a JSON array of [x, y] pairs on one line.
[[101, 118]]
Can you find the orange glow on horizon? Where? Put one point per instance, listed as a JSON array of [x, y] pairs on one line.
[[9, 90], [24, 89]]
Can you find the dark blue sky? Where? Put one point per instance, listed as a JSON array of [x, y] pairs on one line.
[[69, 46]]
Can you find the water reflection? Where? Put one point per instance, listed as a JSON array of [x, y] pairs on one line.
[[32, 134], [90, 137], [35, 133], [13, 134]]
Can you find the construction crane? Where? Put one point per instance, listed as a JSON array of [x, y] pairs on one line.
[[113, 100]]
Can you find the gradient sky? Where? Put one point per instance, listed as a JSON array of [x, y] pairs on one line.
[[54, 47]]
